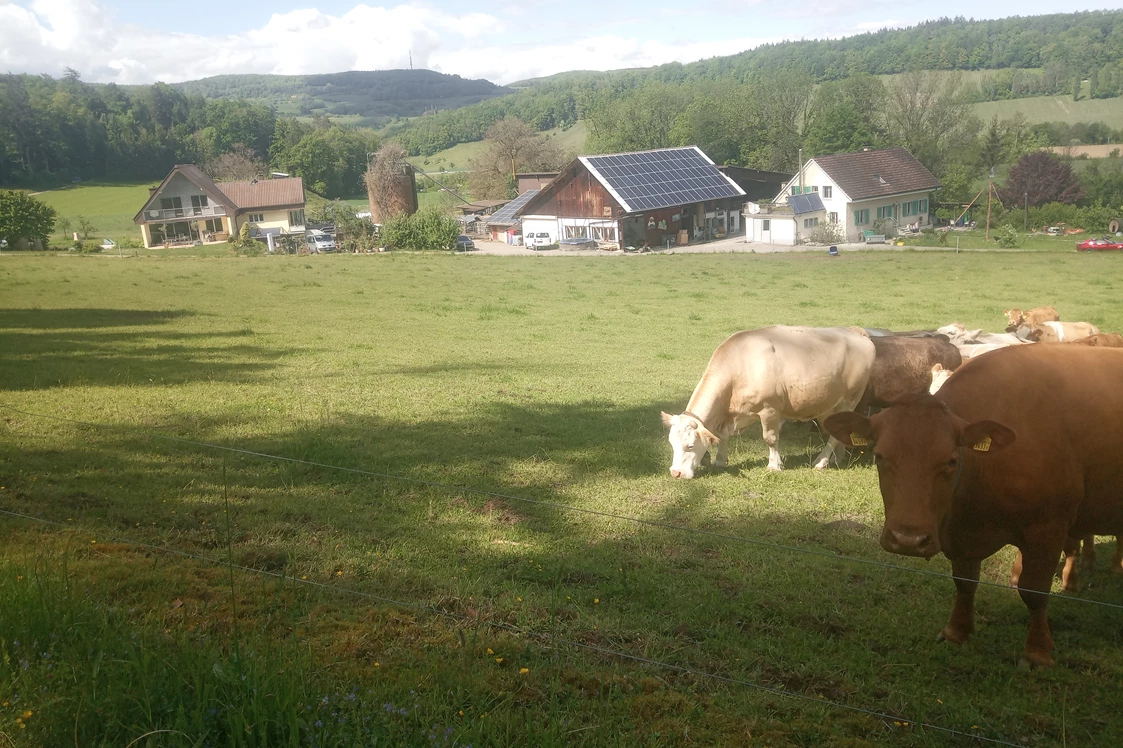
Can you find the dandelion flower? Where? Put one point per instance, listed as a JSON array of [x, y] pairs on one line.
[[378, 664], [523, 671], [27, 714], [461, 712], [518, 599], [339, 573], [499, 660], [596, 600], [489, 651]]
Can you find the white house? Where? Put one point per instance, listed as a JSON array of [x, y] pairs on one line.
[[188, 206], [788, 223], [867, 192]]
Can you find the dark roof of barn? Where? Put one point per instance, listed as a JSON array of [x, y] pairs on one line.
[[505, 216], [808, 203], [664, 178], [865, 174]]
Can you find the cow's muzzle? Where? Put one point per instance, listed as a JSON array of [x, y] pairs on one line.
[[910, 542]]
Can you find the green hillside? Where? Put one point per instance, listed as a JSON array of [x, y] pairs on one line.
[[362, 97], [571, 141], [1057, 109]]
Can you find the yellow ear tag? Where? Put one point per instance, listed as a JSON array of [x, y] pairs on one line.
[[983, 445], [858, 441]]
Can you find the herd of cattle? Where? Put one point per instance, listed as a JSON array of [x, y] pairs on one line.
[[982, 440]]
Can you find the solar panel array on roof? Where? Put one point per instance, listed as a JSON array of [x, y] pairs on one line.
[[650, 180], [505, 216], [807, 203]]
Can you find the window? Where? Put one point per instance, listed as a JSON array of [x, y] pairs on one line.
[[256, 218], [575, 232], [814, 188], [766, 224], [827, 190], [862, 217], [198, 202], [809, 223], [832, 217], [215, 225], [604, 233], [795, 189], [172, 203], [924, 207], [296, 217]]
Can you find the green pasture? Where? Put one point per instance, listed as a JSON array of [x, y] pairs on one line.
[[111, 207], [531, 378], [1056, 109], [457, 158]]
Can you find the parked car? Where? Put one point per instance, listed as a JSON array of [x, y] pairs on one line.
[[108, 244], [1100, 245], [540, 239], [318, 242], [464, 243]]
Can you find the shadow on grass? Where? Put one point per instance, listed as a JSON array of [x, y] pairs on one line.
[[44, 348]]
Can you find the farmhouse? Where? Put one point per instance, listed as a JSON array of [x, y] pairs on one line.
[[504, 225], [865, 192], [662, 197], [532, 180], [188, 207]]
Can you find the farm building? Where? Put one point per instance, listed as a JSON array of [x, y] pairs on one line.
[[757, 184], [662, 197], [788, 223], [867, 192], [188, 207], [532, 180], [504, 225], [481, 207]]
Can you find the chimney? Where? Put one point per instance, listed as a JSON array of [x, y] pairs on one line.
[[152, 191]]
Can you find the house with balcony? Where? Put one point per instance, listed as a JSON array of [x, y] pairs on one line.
[[866, 192], [189, 207]]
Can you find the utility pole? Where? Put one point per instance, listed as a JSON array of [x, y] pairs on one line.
[[1025, 226], [990, 192], [801, 171]]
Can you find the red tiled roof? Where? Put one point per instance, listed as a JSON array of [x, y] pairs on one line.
[[865, 174], [265, 193]]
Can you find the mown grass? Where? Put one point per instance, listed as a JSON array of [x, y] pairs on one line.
[[530, 378], [1056, 109], [110, 207], [976, 238]]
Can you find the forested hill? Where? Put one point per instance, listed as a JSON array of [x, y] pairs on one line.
[[375, 97], [1048, 54]]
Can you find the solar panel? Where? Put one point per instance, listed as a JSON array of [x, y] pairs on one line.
[[806, 203], [650, 180], [506, 214]]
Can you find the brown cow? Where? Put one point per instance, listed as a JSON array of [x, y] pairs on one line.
[[902, 366], [1101, 339], [1057, 332], [1019, 447], [1016, 318]]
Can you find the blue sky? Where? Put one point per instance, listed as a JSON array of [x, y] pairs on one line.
[[139, 41]]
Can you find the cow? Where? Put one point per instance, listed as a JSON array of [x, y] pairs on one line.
[[1019, 447], [774, 374], [1016, 318], [961, 337], [1101, 339], [1057, 332], [940, 376], [902, 366]]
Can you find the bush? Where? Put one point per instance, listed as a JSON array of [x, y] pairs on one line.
[[825, 233], [1007, 237], [426, 229], [1092, 218]]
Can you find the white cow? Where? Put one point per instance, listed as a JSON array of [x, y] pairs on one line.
[[962, 337], [774, 374]]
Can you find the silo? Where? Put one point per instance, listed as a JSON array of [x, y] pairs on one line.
[[400, 195]]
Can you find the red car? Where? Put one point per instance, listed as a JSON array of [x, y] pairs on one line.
[[1099, 245]]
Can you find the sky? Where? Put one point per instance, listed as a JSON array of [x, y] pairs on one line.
[[143, 41]]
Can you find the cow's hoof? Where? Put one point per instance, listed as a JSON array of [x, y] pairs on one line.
[[775, 468], [721, 465], [953, 635], [1033, 660]]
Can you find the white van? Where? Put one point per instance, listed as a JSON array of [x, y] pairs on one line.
[[318, 241]]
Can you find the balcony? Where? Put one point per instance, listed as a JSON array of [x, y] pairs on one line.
[[189, 212]]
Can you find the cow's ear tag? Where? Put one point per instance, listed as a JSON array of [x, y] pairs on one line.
[[859, 441], [983, 445]]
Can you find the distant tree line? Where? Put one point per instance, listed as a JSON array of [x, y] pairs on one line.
[[1035, 56], [56, 130]]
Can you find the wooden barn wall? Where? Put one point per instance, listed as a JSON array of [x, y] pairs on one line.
[[580, 197]]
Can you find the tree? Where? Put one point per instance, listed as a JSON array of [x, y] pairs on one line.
[[930, 115], [240, 163], [511, 145], [992, 147], [1041, 178], [24, 217], [86, 227]]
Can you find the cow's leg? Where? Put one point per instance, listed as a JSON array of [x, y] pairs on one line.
[[962, 621], [721, 454], [1070, 577], [1016, 570], [830, 450], [1039, 563], [1088, 553], [770, 423], [1117, 559]]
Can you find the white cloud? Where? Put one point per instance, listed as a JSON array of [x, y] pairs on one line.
[[48, 35]]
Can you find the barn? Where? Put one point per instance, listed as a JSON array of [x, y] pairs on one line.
[[662, 198]]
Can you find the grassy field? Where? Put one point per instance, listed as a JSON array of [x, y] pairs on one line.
[[527, 377], [111, 207], [1056, 109]]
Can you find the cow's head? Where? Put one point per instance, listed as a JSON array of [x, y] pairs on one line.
[[690, 441], [918, 447], [1015, 318]]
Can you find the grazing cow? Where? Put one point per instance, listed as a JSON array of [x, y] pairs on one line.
[[940, 377], [1019, 447], [1057, 332], [1101, 339], [902, 366], [1016, 318], [774, 374]]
